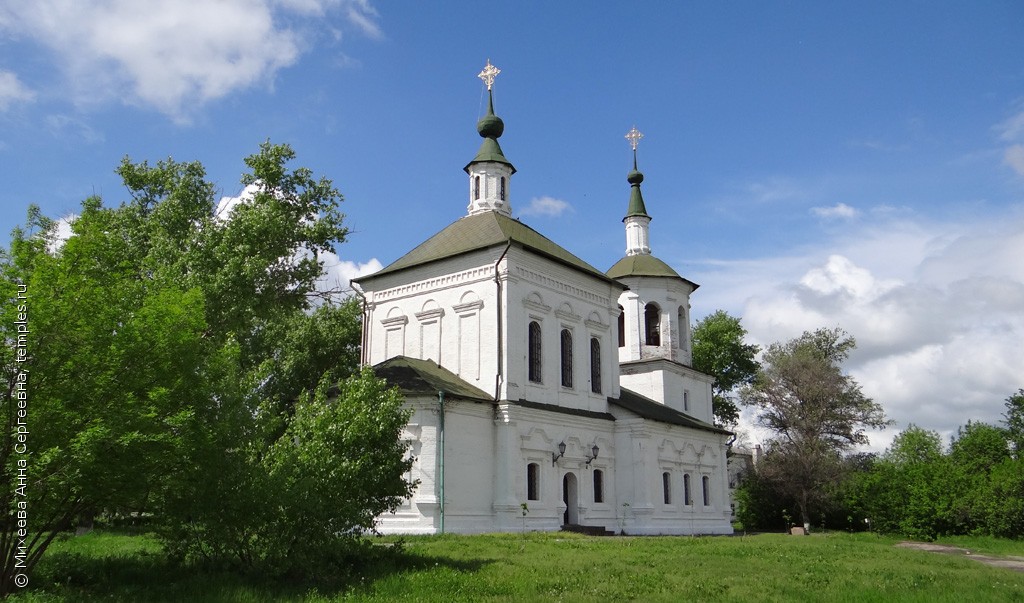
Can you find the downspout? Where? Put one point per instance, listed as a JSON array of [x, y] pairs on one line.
[[501, 356], [440, 443], [363, 352]]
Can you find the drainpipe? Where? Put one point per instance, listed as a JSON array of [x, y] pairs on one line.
[[501, 358], [364, 354], [440, 444]]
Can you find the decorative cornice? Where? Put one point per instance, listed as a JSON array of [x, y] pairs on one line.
[[535, 306], [468, 307], [446, 281], [430, 314], [562, 286], [395, 321]]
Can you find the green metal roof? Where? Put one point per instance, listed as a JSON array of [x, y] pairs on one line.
[[644, 265], [482, 231], [425, 377], [649, 409], [636, 198], [490, 150]]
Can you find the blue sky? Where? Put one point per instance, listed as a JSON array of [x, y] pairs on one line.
[[809, 164]]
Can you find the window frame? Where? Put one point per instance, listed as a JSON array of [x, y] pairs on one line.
[[566, 353], [535, 352]]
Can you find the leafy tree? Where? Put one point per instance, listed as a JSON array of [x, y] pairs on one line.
[[719, 350], [171, 357], [815, 412], [1014, 420]]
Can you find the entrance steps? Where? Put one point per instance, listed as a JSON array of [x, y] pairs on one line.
[[588, 530]]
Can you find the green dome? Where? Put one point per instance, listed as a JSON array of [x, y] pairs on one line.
[[635, 177], [490, 126]]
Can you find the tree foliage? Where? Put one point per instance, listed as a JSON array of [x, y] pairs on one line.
[[719, 350], [815, 411], [172, 355]]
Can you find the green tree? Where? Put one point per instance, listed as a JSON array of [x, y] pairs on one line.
[[171, 359], [719, 350], [815, 412], [1014, 421]]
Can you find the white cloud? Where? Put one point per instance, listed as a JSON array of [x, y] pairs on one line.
[[546, 206], [338, 273], [63, 126], [1012, 129], [12, 90], [174, 55], [775, 189], [936, 309], [839, 210], [1014, 157]]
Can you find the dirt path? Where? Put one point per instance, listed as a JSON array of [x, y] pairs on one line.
[[1011, 563]]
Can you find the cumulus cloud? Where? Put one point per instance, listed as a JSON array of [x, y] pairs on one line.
[[546, 206], [837, 211], [936, 309], [174, 54], [12, 90]]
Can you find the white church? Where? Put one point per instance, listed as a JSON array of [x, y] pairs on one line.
[[546, 394]]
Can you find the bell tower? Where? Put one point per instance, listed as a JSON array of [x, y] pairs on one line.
[[490, 174]]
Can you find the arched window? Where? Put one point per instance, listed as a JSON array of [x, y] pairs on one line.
[[566, 358], [666, 487], [705, 483], [652, 324], [535, 352], [476, 188], [502, 188], [598, 486], [622, 327], [683, 328], [687, 495], [533, 481], [595, 365]]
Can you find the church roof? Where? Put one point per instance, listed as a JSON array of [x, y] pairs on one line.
[[415, 376], [649, 409], [644, 265], [482, 231]]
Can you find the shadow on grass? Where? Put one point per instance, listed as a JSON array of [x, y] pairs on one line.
[[149, 576]]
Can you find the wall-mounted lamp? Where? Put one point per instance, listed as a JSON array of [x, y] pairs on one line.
[[561, 453], [593, 451]]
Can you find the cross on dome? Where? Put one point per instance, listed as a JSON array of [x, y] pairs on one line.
[[488, 74], [634, 136]]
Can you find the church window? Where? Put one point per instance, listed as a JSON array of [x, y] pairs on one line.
[[686, 400], [533, 481], [598, 486], [652, 324], [595, 365], [502, 188], [622, 327], [687, 495], [535, 359], [683, 328], [566, 358], [666, 487], [476, 188], [706, 486]]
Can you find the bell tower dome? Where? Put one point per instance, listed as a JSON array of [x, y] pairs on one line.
[[490, 174]]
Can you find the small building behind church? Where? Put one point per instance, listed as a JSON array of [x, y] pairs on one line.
[[546, 394]]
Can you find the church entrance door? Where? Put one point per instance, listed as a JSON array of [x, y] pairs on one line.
[[569, 497]]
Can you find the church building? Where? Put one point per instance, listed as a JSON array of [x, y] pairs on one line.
[[545, 392]]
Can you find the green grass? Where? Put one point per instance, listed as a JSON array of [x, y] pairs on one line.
[[564, 567]]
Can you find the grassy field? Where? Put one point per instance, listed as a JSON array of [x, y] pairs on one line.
[[562, 567]]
